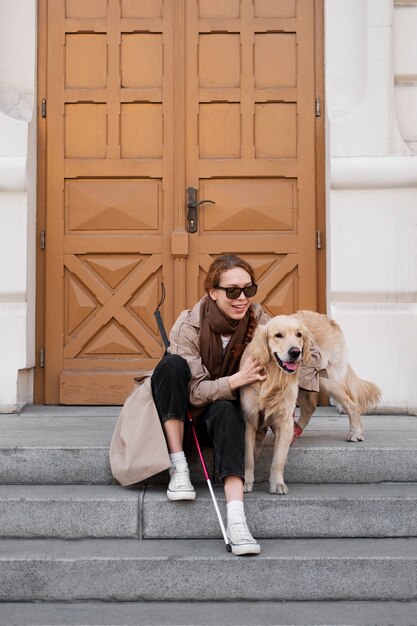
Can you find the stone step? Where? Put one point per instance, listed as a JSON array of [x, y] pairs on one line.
[[209, 614], [69, 445], [382, 510], [68, 511], [63, 445], [202, 570]]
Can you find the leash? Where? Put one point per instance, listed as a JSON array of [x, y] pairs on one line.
[[165, 340]]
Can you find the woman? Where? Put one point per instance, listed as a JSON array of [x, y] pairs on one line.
[[202, 369], [199, 373]]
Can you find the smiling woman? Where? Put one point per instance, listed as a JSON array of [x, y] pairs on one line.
[[200, 374], [208, 377]]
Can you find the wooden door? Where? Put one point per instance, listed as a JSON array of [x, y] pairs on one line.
[[145, 99]]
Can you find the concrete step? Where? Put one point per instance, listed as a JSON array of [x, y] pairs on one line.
[[383, 510], [70, 511], [209, 614], [39, 511], [69, 445], [201, 570], [47, 445]]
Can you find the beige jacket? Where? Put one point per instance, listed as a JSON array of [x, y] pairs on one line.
[[185, 341]]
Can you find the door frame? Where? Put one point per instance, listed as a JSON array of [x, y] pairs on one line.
[[320, 194]]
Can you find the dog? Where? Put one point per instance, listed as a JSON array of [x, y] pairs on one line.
[[279, 346], [337, 379]]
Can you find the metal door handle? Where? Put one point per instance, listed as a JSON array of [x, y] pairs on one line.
[[192, 204]]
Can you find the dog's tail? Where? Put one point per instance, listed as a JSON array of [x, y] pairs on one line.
[[367, 394]]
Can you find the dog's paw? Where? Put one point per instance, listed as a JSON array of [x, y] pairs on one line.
[[278, 488], [355, 436], [247, 487]]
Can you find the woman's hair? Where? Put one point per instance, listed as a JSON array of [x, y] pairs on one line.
[[222, 264]]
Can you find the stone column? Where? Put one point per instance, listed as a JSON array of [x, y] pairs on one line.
[[17, 202], [372, 198]]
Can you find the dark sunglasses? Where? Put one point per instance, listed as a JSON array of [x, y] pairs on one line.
[[233, 293]]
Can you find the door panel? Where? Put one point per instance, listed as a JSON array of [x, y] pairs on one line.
[[144, 100], [250, 132]]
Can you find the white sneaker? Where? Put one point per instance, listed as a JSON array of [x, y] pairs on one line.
[[240, 538], [180, 487]]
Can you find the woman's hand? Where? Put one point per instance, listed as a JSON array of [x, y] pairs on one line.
[[250, 373]]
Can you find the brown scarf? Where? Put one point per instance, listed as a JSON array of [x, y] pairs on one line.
[[213, 324]]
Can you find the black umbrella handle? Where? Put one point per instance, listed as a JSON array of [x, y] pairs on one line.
[[158, 318]]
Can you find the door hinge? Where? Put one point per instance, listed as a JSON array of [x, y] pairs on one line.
[[43, 107], [318, 234], [318, 107], [43, 240], [41, 357]]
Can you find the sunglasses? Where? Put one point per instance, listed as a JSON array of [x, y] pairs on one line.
[[233, 293]]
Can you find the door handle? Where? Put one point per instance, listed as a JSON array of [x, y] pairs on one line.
[[193, 204]]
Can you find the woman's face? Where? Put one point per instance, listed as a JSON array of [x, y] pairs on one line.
[[234, 309]]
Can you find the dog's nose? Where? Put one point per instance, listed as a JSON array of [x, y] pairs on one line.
[[294, 353]]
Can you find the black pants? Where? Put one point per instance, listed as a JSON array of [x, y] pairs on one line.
[[221, 425]]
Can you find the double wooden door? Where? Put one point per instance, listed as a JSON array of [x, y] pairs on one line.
[[146, 99]]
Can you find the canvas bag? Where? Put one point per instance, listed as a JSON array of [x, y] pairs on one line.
[[138, 447]]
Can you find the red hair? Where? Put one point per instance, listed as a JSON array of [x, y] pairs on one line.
[[222, 264]]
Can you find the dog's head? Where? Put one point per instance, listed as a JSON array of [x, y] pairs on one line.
[[284, 340]]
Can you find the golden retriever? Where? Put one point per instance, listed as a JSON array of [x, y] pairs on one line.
[[279, 346], [357, 396]]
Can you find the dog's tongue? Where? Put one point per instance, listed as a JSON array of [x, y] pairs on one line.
[[290, 365]]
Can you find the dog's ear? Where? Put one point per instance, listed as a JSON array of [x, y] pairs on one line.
[[306, 344], [259, 345]]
